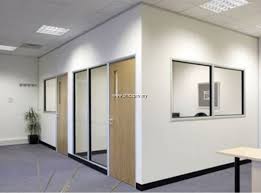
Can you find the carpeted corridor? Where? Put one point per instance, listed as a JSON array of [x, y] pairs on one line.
[[35, 168]]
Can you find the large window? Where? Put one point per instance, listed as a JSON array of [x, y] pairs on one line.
[[90, 114], [191, 90], [50, 99], [81, 147], [98, 83], [200, 90], [230, 95]]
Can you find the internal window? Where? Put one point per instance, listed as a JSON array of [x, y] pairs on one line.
[[50, 91], [81, 128], [98, 114], [191, 90], [90, 114], [196, 94], [230, 92]]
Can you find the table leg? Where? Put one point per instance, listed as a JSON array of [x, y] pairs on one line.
[[237, 174]]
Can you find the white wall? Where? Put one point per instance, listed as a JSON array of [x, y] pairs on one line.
[[164, 35], [174, 148], [16, 100], [119, 37]]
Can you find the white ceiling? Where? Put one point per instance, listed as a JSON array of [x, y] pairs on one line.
[[243, 19], [19, 19]]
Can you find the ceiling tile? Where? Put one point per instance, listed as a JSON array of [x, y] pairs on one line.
[[220, 20], [235, 19], [26, 16], [198, 12], [176, 5]]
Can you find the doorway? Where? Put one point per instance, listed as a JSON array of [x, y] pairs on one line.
[[122, 121], [62, 108]]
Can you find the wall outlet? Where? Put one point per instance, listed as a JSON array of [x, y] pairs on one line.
[[10, 100]]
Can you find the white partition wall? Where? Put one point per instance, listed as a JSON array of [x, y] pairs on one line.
[[164, 148], [117, 38], [174, 148]]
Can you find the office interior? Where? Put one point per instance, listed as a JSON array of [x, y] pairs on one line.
[[130, 95]]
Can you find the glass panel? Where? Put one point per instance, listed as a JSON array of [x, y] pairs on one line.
[[191, 90], [81, 115], [229, 92], [50, 95], [98, 84]]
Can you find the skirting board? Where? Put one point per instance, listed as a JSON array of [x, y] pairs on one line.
[[143, 187], [13, 141], [47, 145]]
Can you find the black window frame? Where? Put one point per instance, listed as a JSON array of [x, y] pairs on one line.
[[210, 88], [88, 161], [90, 112], [242, 91], [44, 89], [212, 114], [74, 110]]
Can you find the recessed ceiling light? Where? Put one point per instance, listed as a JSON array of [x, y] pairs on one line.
[[52, 30], [219, 6], [7, 48]]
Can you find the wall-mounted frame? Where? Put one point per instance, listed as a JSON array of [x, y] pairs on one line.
[[50, 92], [221, 92]]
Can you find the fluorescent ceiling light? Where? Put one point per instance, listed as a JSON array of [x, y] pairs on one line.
[[219, 6], [52, 30], [7, 48]]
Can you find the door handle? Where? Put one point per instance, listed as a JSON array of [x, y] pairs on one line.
[[110, 121]]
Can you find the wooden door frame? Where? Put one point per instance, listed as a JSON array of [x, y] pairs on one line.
[[108, 109], [57, 95]]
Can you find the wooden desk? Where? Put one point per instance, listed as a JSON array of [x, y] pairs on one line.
[[253, 154]]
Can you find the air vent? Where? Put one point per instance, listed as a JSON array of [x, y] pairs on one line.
[[31, 46]]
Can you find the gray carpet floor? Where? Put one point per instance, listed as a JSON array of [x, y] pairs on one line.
[[35, 168]]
